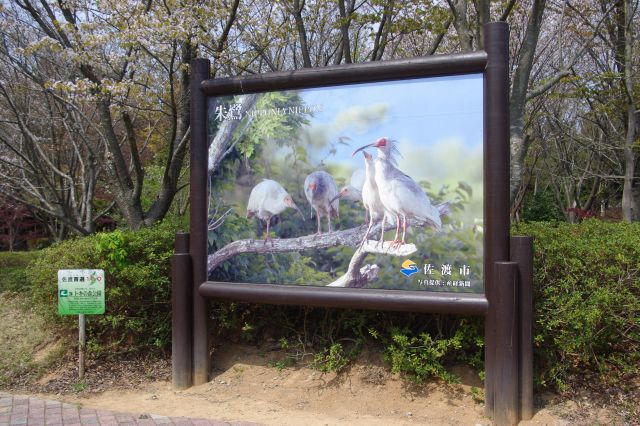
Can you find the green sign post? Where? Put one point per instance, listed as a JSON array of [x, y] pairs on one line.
[[80, 292]]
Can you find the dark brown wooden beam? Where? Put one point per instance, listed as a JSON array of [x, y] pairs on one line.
[[427, 66], [506, 403], [354, 298], [198, 195], [522, 254], [496, 184], [181, 321]]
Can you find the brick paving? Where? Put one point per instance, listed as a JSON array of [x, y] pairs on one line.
[[18, 410]]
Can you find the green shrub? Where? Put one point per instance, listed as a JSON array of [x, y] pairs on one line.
[[587, 299], [541, 206], [586, 290], [335, 357], [12, 259], [418, 346], [137, 288], [421, 357], [13, 267], [587, 315]]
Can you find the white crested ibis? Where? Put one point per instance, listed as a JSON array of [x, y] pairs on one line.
[[321, 192], [353, 191], [267, 199], [400, 195], [370, 195]]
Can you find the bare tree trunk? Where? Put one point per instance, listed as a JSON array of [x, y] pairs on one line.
[[629, 208], [298, 7], [178, 145], [345, 20], [460, 12], [483, 17], [380, 41], [628, 204], [519, 141], [521, 76]]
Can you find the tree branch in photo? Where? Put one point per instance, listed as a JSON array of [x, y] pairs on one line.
[[218, 148], [356, 275]]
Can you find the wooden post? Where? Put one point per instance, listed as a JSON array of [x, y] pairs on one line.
[[181, 302], [82, 345], [506, 404], [522, 254], [198, 195], [496, 186]]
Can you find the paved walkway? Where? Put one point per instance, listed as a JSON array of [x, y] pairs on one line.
[[16, 410]]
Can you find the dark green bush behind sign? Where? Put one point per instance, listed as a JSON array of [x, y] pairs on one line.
[[586, 289], [138, 299], [587, 299]]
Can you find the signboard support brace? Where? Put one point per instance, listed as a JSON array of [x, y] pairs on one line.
[[506, 383], [522, 254], [181, 307]]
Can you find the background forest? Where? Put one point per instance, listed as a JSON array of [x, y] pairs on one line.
[[94, 116]]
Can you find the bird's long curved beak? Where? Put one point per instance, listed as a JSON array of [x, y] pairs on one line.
[[335, 198], [361, 148], [295, 206]]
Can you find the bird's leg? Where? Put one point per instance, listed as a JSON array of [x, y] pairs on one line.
[[329, 220], [396, 242], [404, 227], [384, 223], [319, 232], [397, 227], [366, 234], [395, 239], [267, 237]]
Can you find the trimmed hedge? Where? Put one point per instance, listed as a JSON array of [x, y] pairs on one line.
[[137, 290], [587, 299], [586, 290]]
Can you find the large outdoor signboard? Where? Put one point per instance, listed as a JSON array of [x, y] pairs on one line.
[[381, 185], [319, 172]]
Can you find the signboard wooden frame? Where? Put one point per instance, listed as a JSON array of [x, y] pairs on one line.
[[506, 388]]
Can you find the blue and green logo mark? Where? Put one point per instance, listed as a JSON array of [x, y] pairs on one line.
[[409, 268]]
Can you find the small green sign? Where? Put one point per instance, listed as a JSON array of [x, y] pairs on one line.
[[80, 291]]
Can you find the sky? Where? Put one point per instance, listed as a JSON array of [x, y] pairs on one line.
[[421, 111], [437, 122]]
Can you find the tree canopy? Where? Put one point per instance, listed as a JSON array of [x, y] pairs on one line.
[[94, 111]]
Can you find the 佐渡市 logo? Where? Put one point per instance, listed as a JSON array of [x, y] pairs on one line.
[[409, 268]]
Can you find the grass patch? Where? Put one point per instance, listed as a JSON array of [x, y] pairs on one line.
[[23, 336], [13, 267]]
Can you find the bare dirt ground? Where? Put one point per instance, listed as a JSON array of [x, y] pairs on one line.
[[247, 387]]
